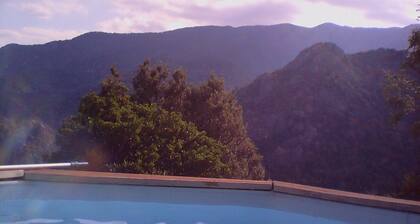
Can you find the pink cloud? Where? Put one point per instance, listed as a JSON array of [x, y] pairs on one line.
[[384, 10], [37, 35], [159, 15], [46, 9]]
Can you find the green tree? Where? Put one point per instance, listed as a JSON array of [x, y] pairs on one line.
[[209, 106], [217, 111], [149, 83], [402, 91], [113, 129], [177, 93]]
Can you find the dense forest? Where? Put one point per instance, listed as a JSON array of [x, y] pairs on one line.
[[323, 120], [47, 81]]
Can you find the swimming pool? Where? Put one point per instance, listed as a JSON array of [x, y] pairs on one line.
[[31, 202]]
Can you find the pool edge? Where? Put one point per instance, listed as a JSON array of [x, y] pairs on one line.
[[220, 183], [347, 197], [145, 180]]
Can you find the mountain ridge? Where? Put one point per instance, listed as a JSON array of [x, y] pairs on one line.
[[71, 68], [290, 25]]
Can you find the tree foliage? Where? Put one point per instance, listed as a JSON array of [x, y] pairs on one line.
[[209, 106], [402, 92], [151, 132], [413, 59]]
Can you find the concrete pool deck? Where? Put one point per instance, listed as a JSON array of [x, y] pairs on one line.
[[216, 183]]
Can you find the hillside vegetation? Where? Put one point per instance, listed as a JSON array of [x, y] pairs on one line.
[[323, 120], [48, 80]]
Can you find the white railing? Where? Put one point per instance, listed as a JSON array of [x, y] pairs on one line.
[[41, 166]]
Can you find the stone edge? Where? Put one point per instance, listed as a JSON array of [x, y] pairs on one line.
[[347, 197], [145, 180], [215, 183]]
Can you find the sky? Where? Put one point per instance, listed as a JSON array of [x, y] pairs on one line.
[[41, 21]]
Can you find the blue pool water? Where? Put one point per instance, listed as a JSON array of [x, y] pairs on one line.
[[32, 202]]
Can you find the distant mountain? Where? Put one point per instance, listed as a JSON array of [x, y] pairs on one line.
[[322, 120], [47, 80]]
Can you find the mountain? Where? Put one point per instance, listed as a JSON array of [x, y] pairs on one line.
[[322, 120], [47, 81]]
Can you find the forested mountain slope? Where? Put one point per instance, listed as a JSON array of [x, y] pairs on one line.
[[47, 80], [323, 120]]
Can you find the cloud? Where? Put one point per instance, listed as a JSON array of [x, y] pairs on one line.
[[397, 12], [24, 21], [136, 16], [34, 35], [254, 13], [158, 15], [46, 9], [129, 24]]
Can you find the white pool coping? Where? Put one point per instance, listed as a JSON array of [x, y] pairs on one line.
[[215, 183]]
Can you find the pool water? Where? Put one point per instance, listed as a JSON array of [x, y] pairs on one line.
[[32, 202]]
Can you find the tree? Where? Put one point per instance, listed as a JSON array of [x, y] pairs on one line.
[[209, 106], [128, 136], [168, 145], [149, 83], [217, 111], [177, 93], [402, 91]]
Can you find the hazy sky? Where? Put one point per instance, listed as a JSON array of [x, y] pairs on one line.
[[40, 21]]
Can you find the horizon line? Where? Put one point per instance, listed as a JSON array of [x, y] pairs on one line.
[[221, 26]]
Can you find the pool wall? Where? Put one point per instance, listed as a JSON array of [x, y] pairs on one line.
[[217, 183]]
